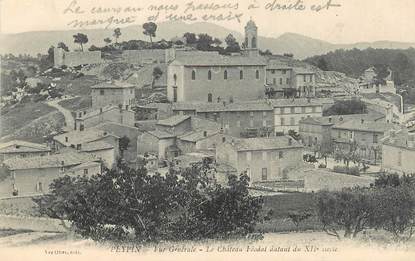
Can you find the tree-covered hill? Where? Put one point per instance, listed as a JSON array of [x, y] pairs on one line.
[[354, 62]]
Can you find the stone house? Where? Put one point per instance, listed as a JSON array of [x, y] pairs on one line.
[[31, 176], [112, 93], [236, 119], [110, 113], [289, 112], [398, 150], [22, 149], [264, 159]]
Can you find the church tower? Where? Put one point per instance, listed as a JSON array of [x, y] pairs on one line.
[[251, 35], [251, 39]]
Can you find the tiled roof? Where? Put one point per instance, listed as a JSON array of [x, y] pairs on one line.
[[18, 146], [51, 161], [204, 124], [86, 165], [220, 107], [280, 142], [173, 120], [219, 60], [275, 64], [299, 70], [295, 102], [334, 119], [198, 135], [368, 126], [98, 111], [112, 85], [80, 137], [95, 146], [161, 134]]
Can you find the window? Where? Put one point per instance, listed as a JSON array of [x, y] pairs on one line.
[[251, 114], [292, 110], [39, 187], [193, 75], [264, 113], [264, 123], [287, 80], [175, 79], [282, 121], [66, 139], [248, 156], [238, 123], [303, 109], [304, 78], [274, 81], [241, 74], [292, 121], [264, 174], [257, 74], [175, 94], [280, 155], [375, 138], [223, 139], [280, 80], [85, 171], [251, 123], [101, 92], [209, 97], [225, 75], [273, 71], [399, 158], [264, 155], [284, 71], [209, 75]]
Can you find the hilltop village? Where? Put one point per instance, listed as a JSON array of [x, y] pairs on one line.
[[279, 120]]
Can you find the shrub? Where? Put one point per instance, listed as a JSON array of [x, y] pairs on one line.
[[181, 205], [322, 166], [347, 170], [298, 217]]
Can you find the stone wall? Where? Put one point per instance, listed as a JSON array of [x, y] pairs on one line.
[[72, 59]]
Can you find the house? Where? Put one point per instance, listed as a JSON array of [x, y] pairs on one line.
[[368, 84], [289, 112], [364, 135], [177, 133], [30, 176], [88, 168], [304, 82], [112, 93], [398, 150], [264, 159], [22, 149], [102, 144], [279, 77], [213, 76], [146, 83], [110, 113], [316, 131], [248, 119]]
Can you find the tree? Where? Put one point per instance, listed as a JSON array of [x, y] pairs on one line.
[[150, 29], [395, 211], [344, 107], [190, 38], [123, 144], [294, 135], [63, 46], [350, 210], [157, 73], [382, 72], [107, 40], [183, 204], [80, 39], [204, 42], [217, 42], [232, 46], [298, 217], [117, 34], [322, 64]]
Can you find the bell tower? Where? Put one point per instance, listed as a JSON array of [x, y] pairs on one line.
[[251, 36]]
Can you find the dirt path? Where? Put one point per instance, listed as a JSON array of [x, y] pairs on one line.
[[69, 120]]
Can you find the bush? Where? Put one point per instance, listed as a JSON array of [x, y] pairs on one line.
[[183, 204], [347, 170], [322, 166]]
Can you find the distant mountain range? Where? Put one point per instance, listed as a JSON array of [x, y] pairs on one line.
[[299, 45]]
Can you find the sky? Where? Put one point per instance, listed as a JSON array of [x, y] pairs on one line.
[[353, 21]]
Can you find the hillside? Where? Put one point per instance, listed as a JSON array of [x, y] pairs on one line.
[[301, 46]]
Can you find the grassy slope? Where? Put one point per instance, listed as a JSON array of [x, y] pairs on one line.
[[19, 116]]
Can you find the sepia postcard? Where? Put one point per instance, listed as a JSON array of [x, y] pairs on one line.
[[207, 129]]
